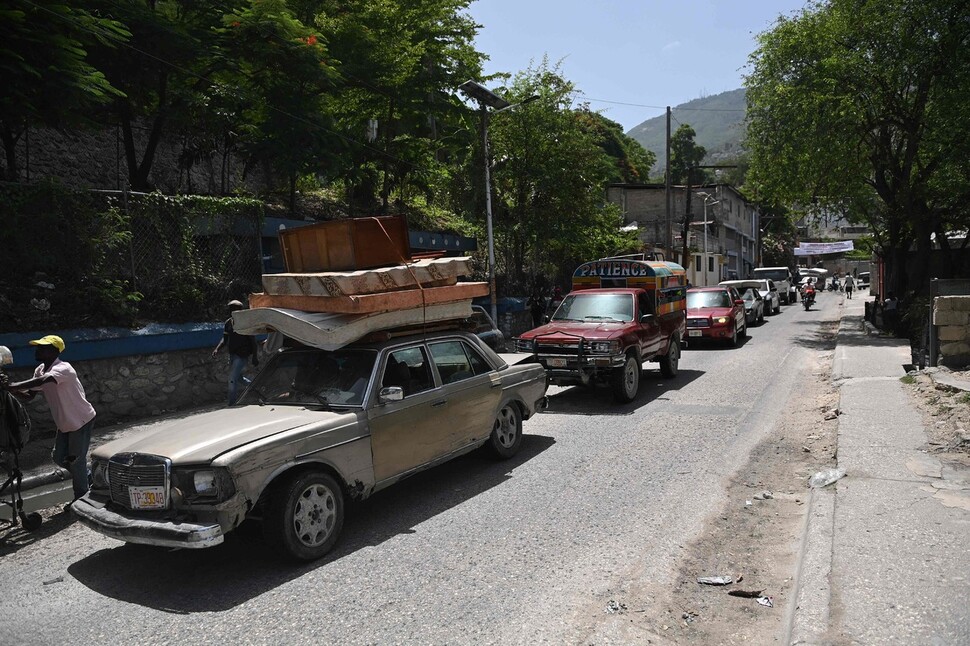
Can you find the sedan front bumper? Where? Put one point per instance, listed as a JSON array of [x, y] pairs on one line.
[[147, 532]]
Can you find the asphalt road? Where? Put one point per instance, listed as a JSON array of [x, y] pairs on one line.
[[528, 551]]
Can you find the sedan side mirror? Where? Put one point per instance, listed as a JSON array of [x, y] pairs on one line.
[[739, 302], [391, 394]]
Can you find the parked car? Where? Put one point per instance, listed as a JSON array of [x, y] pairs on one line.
[[770, 293], [784, 281], [314, 428], [862, 281], [716, 313], [754, 302], [484, 328]]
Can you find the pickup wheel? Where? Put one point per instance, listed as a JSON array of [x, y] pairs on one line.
[[626, 380], [670, 361], [506, 438], [305, 516]]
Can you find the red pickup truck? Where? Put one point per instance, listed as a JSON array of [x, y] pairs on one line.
[[620, 314]]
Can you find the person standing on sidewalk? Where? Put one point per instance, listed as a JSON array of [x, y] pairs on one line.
[[849, 285], [73, 414], [240, 348]]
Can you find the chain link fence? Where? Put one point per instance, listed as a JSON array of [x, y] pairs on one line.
[[73, 259]]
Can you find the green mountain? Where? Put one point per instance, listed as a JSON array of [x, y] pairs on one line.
[[718, 121]]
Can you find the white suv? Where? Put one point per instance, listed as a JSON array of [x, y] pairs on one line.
[[783, 281]]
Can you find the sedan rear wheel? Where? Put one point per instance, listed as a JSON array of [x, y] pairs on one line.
[[305, 516], [506, 438], [626, 380]]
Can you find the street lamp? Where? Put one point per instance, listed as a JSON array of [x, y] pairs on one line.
[[488, 99], [708, 200]]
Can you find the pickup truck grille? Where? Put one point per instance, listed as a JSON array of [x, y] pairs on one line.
[[135, 470], [554, 348]]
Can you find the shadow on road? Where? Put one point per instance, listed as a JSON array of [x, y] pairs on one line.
[[588, 400], [222, 577]]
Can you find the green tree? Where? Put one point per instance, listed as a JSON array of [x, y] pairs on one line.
[[685, 156], [631, 161], [549, 179], [45, 73], [283, 71], [864, 103]]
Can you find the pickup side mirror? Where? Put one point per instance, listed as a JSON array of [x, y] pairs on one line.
[[391, 394], [648, 319]]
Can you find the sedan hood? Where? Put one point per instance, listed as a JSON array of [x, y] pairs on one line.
[[713, 312], [198, 439], [566, 331]]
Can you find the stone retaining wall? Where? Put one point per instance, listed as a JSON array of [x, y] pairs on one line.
[[141, 386], [952, 316]]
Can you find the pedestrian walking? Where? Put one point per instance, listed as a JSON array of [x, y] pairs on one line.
[[890, 312], [849, 285], [241, 348], [73, 414], [537, 307]]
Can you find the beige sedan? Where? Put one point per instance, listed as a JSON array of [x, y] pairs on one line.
[[313, 428]]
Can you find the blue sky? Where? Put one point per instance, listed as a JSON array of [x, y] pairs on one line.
[[645, 52]]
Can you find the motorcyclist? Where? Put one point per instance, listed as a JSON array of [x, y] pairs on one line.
[[808, 291]]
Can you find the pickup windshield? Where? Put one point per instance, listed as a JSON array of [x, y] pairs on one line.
[[313, 378], [595, 307]]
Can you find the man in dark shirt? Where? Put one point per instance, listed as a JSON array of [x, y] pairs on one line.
[[240, 348]]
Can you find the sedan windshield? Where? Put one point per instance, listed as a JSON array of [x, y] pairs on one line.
[[719, 298], [595, 307], [314, 378]]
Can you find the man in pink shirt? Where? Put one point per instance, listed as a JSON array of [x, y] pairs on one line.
[[72, 413]]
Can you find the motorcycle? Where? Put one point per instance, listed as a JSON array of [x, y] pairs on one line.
[[808, 298]]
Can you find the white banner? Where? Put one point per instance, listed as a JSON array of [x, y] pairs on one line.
[[819, 248]]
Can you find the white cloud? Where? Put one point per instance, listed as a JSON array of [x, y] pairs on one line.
[[669, 47]]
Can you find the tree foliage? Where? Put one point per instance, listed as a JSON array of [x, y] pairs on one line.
[[864, 104]]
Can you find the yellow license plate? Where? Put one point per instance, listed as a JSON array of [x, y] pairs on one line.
[[556, 363], [147, 497]]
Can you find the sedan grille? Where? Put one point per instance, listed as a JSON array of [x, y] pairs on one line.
[[136, 470]]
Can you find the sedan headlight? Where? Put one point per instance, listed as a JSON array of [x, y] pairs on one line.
[[721, 320], [604, 347], [99, 474], [525, 345], [208, 484]]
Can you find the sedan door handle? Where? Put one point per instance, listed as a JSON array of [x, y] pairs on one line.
[[438, 403]]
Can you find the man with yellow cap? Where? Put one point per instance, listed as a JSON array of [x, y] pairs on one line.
[[73, 414]]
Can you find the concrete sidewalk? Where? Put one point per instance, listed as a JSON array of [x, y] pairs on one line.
[[887, 547]]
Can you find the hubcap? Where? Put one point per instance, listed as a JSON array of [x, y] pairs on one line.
[[630, 376], [506, 427], [314, 515]]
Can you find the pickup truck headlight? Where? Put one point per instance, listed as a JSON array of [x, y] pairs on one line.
[[604, 347], [206, 484], [525, 345]]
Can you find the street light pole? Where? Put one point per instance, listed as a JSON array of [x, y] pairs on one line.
[[707, 200], [488, 218], [488, 99]]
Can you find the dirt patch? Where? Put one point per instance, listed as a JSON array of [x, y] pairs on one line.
[[756, 539], [946, 414]]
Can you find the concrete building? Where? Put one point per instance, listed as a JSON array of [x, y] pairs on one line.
[[730, 248]]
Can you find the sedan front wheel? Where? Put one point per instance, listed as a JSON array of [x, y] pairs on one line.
[[305, 516]]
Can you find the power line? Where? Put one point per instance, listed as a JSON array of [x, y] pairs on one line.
[[660, 107]]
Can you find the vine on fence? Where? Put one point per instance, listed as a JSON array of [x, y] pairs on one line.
[[82, 259]]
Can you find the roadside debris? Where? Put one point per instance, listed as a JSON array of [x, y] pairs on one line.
[[825, 478], [747, 594], [766, 601], [764, 495], [59, 579], [832, 414], [715, 580], [689, 616], [614, 607]]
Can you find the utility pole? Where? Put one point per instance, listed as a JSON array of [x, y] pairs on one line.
[[669, 241]]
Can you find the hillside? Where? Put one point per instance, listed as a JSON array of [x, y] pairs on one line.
[[717, 120]]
